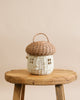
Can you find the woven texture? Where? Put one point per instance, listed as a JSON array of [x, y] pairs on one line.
[[40, 65], [40, 48]]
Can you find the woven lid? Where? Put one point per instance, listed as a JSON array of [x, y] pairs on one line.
[[40, 48]]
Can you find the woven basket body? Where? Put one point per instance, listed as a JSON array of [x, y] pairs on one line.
[[40, 65]]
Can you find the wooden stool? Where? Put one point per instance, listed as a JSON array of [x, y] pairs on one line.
[[22, 77]]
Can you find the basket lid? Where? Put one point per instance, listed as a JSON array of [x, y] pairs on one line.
[[40, 48]]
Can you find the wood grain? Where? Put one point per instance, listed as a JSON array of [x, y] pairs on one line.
[[58, 76], [22, 92], [60, 92], [18, 92]]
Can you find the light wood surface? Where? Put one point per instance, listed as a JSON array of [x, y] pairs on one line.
[[18, 92], [60, 92], [58, 76], [23, 92]]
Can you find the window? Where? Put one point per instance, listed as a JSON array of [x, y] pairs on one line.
[[31, 60], [49, 61]]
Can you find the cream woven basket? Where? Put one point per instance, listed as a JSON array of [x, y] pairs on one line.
[[40, 56]]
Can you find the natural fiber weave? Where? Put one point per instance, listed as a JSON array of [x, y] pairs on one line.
[[40, 48], [40, 65]]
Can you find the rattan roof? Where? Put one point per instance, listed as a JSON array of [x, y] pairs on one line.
[[40, 48]]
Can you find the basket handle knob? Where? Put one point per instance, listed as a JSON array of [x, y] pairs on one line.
[[40, 34]]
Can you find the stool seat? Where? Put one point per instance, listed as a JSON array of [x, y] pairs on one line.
[[58, 76]]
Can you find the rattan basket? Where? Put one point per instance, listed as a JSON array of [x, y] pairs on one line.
[[40, 56]]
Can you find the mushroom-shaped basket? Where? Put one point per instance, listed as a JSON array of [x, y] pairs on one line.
[[40, 56]]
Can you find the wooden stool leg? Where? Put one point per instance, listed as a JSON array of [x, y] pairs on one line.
[[22, 92], [60, 92], [18, 92]]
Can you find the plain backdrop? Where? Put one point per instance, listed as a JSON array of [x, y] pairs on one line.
[[20, 20]]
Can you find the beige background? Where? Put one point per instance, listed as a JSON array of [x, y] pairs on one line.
[[20, 20]]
